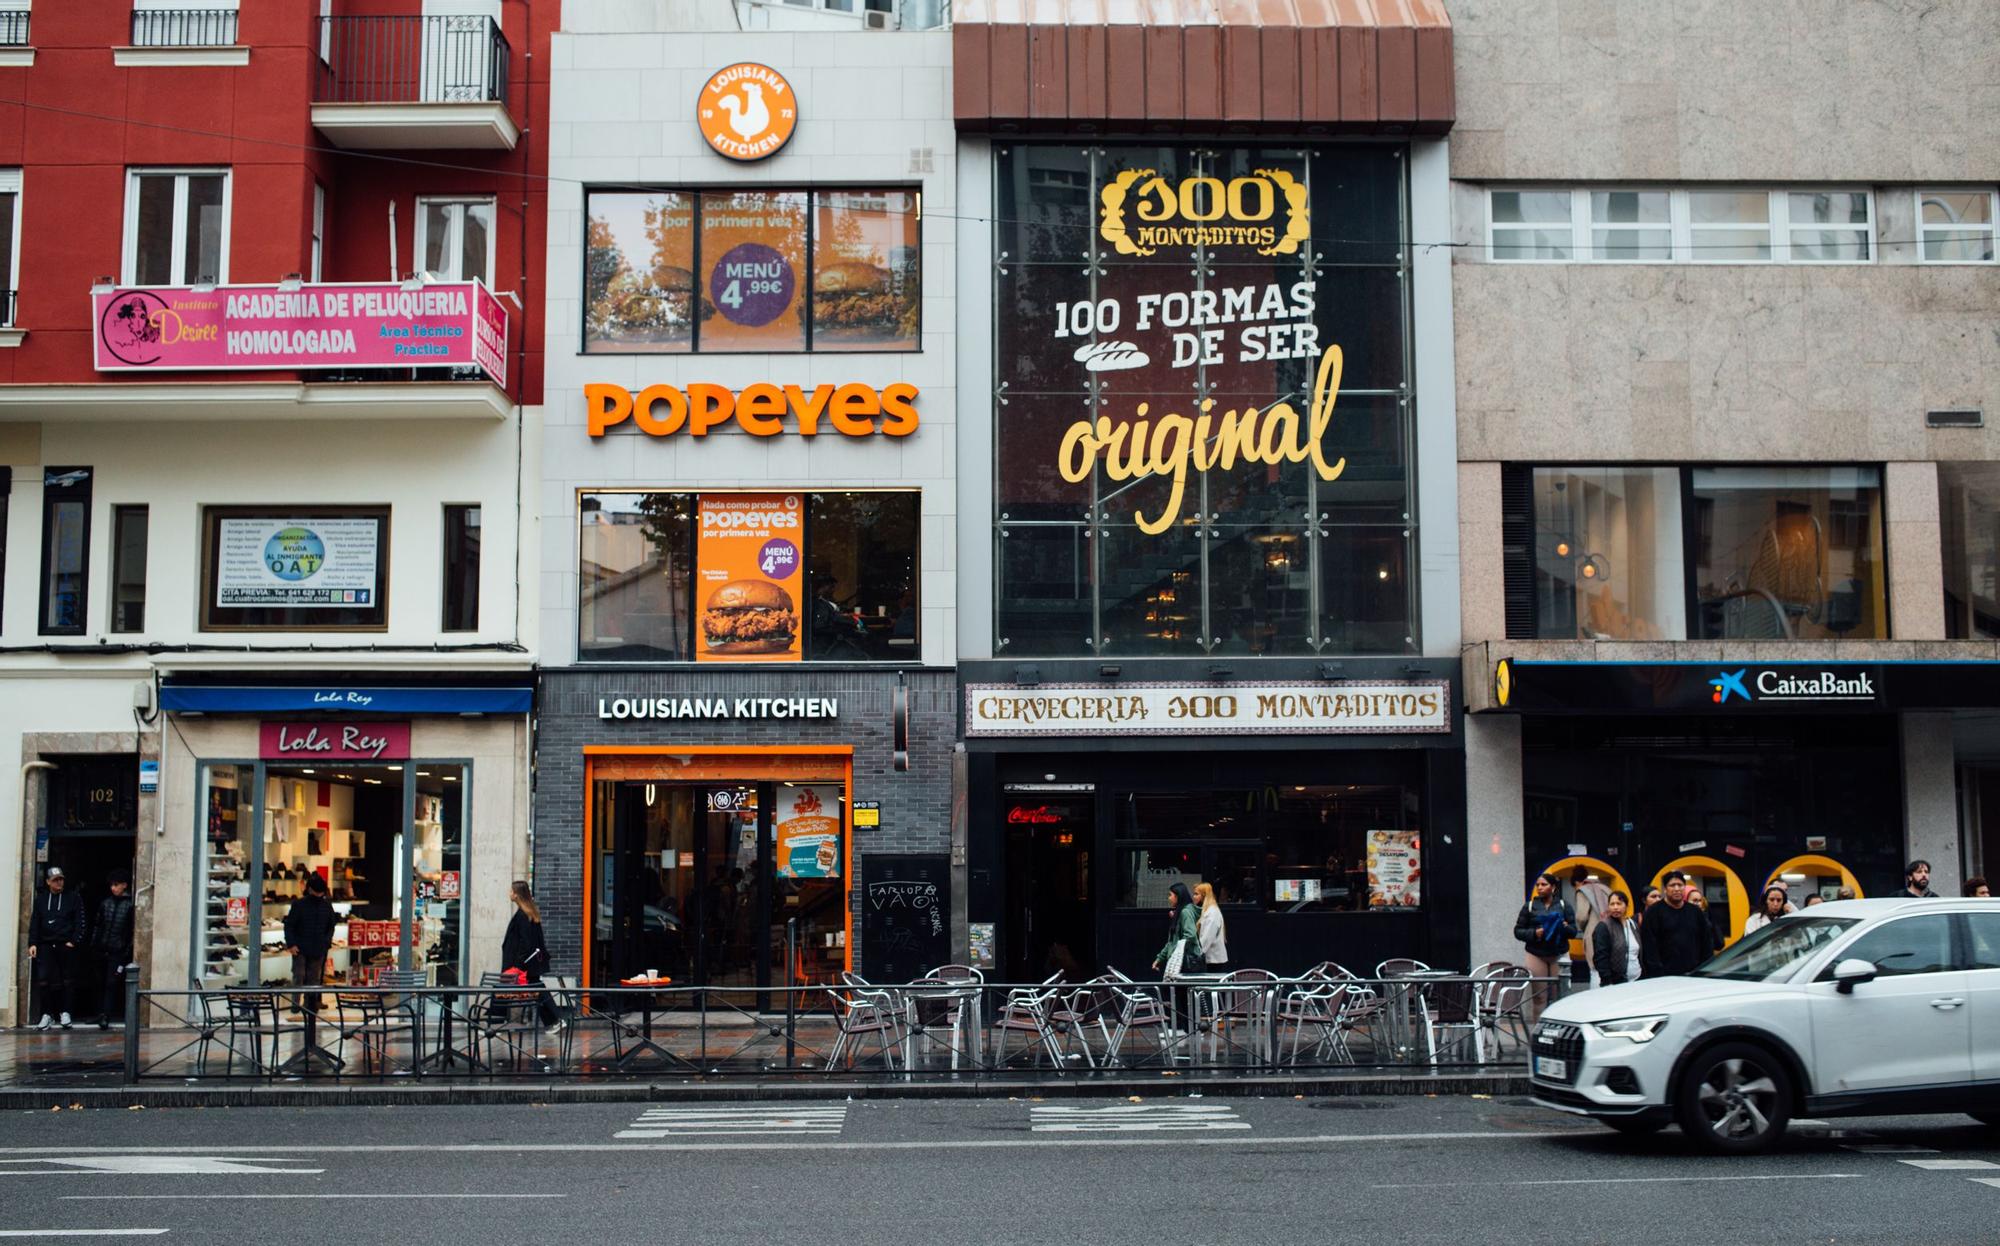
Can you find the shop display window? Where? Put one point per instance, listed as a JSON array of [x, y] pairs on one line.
[[764, 269], [225, 943], [1788, 553], [642, 597], [1608, 554], [1147, 298], [1970, 510], [295, 568]]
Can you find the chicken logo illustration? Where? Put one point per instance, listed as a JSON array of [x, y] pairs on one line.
[[747, 111]]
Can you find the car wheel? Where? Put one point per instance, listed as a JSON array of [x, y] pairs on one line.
[[1735, 1099], [1636, 1126]]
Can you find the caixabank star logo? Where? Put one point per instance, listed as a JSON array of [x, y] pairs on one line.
[[1729, 684]]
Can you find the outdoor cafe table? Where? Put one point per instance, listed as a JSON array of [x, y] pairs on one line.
[[1406, 1003], [1211, 994], [969, 994], [648, 1001]]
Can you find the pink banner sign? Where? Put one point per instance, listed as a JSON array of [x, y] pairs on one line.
[[333, 741], [240, 328]]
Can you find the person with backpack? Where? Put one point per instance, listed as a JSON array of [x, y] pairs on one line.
[[1544, 928]]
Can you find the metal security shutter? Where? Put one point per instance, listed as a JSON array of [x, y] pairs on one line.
[[1517, 548]]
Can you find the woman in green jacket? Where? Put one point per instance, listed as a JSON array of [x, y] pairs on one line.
[[1184, 922]]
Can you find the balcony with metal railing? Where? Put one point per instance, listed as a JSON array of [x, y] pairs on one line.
[[399, 82], [182, 28], [14, 30]]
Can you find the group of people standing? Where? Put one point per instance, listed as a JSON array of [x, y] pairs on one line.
[[1670, 936], [61, 939]]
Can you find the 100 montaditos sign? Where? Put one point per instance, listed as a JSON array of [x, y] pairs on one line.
[[242, 328]]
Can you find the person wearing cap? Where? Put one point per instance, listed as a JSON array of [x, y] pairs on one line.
[[111, 935], [55, 931]]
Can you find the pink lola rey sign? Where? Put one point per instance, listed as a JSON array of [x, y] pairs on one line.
[[333, 741], [239, 328]]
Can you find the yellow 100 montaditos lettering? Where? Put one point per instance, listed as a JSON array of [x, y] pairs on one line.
[[1171, 444]]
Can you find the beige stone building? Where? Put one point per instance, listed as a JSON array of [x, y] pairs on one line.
[[1724, 291]]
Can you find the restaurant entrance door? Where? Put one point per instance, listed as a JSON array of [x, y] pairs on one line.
[[686, 884], [1051, 914]]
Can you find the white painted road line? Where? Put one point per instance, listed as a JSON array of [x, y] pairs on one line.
[[41, 1233], [208, 1198], [1133, 1118], [1950, 1165], [1992, 1181], [144, 1166], [711, 1122], [1773, 1176]]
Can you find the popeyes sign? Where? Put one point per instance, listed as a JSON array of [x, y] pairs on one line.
[[853, 410]]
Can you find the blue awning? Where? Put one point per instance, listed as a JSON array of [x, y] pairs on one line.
[[340, 699]]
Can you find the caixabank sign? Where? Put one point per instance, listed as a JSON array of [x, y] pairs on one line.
[[1528, 687]]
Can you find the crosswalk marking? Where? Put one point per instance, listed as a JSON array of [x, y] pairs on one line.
[[1889, 1148], [1992, 1181], [701, 1122], [1133, 1118], [1950, 1165]]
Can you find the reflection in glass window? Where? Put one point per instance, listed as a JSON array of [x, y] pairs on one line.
[[865, 267], [639, 273], [226, 940], [861, 549], [1788, 553], [636, 559], [1956, 226], [1911, 946], [1830, 226], [1729, 226], [1970, 493], [1532, 225], [1608, 554], [753, 259], [1630, 225]]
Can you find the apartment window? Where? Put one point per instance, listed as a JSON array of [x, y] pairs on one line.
[[183, 23], [1831, 226], [10, 232], [741, 577], [455, 238], [678, 271], [1532, 225], [295, 568], [177, 227], [1787, 553], [461, 568], [1729, 226], [319, 230], [1955, 226], [65, 604], [1630, 225], [128, 568]]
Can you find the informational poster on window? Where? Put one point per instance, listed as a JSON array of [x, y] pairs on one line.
[[297, 563], [1395, 869], [808, 831], [749, 552]]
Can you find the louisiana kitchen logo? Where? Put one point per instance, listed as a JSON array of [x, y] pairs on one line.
[[1769, 685], [1142, 212]]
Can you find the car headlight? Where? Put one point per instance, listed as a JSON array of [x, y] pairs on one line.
[[1638, 1029]]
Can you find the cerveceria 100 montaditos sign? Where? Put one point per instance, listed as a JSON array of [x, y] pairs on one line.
[[853, 410], [1208, 709]]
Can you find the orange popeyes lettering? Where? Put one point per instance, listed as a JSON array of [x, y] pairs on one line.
[[853, 409]]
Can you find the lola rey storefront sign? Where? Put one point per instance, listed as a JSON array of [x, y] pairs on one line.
[[280, 741], [1333, 708], [253, 328]]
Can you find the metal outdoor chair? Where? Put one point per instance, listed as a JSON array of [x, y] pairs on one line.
[[369, 1019], [1364, 1007], [1501, 1005], [1492, 967], [859, 1011], [1027, 1012], [957, 1012], [1398, 966], [1451, 1008], [1137, 1007], [506, 1020], [568, 1005], [1251, 1003], [209, 1014], [1078, 1010]]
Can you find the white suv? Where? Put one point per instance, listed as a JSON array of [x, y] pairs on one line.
[[1852, 1008]]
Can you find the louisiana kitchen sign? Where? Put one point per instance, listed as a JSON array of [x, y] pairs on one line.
[[1250, 708]]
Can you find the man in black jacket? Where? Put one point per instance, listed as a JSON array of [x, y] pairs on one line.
[[55, 932], [111, 935], [309, 933], [1677, 935]]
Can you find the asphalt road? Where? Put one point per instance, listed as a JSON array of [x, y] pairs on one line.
[[915, 1172]]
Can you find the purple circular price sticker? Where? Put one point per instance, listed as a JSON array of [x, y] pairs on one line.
[[778, 559], [751, 284]]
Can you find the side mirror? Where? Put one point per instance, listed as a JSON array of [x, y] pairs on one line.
[[1851, 973]]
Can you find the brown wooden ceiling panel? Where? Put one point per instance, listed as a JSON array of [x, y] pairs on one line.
[[1256, 66]]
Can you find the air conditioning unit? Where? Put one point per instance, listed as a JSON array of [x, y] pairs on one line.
[[875, 19]]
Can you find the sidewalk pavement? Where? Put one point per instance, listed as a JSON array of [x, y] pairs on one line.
[[84, 1067]]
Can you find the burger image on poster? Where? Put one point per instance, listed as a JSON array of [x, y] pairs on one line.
[[855, 298], [749, 616]]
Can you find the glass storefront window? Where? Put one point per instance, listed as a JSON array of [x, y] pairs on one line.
[[437, 868], [1970, 495], [1788, 553], [1608, 554], [639, 577], [226, 942], [1180, 466], [1318, 841], [865, 266]]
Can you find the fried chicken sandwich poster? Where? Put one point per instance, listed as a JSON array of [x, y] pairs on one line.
[[749, 549]]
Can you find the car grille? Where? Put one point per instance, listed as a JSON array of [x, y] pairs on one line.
[[1565, 1043]]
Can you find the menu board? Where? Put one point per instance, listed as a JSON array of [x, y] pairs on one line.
[[808, 832], [748, 551], [905, 915], [1395, 874]]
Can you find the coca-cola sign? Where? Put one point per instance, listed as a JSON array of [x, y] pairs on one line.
[[1035, 815], [333, 741]]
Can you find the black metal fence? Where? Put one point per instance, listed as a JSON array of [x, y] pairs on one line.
[[13, 30], [411, 60], [180, 28], [930, 1030]]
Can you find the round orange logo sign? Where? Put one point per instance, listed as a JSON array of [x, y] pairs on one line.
[[747, 111]]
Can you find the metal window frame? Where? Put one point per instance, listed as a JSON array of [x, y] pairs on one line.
[[1685, 235], [1492, 248]]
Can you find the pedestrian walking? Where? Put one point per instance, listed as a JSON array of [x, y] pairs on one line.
[[1209, 931], [1917, 881], [111, 936], [309, 937], [1544, 927], [1182, 953], [55, 931], [1976, 886], [1615, 955], [1776, 902], [1677, 935], [526, 948]]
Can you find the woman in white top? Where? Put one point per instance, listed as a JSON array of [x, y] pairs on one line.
[[1777, 903], [1213, 950]]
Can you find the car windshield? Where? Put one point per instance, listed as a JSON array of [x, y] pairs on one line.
[[1774, 951]]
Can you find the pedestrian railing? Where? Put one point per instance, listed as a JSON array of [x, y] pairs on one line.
[[917, 1031]]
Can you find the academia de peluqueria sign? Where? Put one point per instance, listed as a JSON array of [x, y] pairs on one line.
[[1203, 351]]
